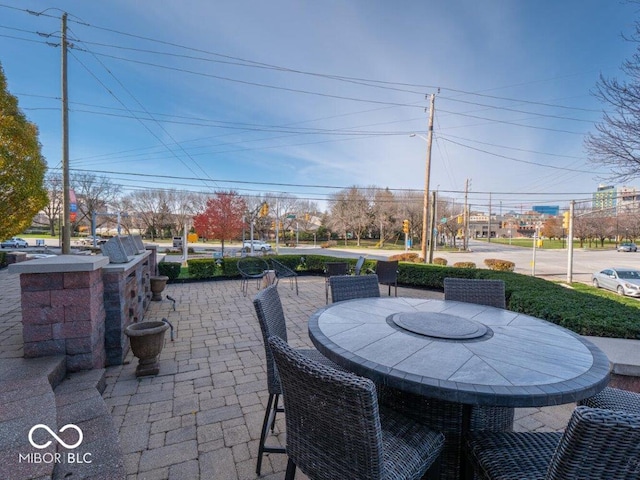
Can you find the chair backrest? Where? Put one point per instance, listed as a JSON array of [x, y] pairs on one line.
[[335, 268], [387, 272], [358, 268], [273, 324], [251, 266], [347, 287], [598, 444], [282, 270], [472, 290], [613, 398], [333, 422]]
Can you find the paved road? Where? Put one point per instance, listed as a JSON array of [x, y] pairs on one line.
[[548, 263], [551, 264]]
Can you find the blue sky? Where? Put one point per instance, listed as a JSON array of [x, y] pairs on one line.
[[296, 96]]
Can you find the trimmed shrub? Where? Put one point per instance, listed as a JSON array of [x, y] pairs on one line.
[[405, 257], [3, 259], [464, 265], [500, 265], [580, 312], [328, 244], [202, 268], [170, 269], [439, 261]]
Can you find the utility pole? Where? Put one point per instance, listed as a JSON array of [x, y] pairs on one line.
[[572, 205], [465, 217], [66, 199], [489, 232], [432, 224], [427, 236]]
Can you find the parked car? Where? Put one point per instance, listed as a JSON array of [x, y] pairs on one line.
[[89, 240], [258, 245], [627, 247], [624, 281], [14, 242]]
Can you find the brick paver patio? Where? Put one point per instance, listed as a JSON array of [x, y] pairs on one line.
[[200, 418]]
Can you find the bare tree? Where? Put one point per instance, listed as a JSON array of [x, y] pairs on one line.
[[151, 208], [616, 142], [385, 213], [94, 195], [351, 212], [53, 209]]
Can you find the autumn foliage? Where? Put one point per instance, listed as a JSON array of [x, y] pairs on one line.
[[222, 217]]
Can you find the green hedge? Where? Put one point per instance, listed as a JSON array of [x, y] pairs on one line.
[[170, 269], [3, 259], [579, 311]]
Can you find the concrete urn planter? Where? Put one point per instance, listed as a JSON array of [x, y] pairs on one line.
[[157, 286], [147, 340]]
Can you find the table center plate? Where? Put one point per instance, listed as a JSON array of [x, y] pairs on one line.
[[439, 325]]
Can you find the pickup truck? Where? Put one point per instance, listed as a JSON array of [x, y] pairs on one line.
[[258, 245]]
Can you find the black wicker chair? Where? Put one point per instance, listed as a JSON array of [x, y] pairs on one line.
[[332, 269], [445, 416], [272, 323], [251, 268], [614, 399], [597, 444], [337, 430], [472, 290], [282, 271], [387, 272], [349, 287]]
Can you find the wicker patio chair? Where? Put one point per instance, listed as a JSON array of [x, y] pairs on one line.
[[471, 290], [597, 444], [387, 272], [272, 323], [332, 269], [337, 430], [251, 268], [282, 271], [349, 287], [446, 417], [614, 399]]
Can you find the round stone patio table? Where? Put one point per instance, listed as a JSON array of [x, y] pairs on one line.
[[460, 352]]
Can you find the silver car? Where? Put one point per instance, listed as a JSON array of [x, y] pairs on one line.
[[14, 242], [624, 281]]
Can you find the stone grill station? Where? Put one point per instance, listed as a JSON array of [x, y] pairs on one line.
[[79, 305]]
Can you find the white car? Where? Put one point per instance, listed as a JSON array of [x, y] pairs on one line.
[[258, 245], [14, 242], [624, 281]]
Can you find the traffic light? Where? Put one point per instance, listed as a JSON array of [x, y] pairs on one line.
[[405, 226], [565, 220], [460, 218], [264, 209]]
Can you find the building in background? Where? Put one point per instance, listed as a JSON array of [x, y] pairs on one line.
[[604, 198]]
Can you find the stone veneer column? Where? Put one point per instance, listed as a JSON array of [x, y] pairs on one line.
[[63, 308]]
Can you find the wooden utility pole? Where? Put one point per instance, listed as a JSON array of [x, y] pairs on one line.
[[432, 225], [465, 217], [572, 206], [66, 198], [489, 232], [426, 235]]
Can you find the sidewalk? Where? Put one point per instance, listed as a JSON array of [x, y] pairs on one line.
[[200, 418]]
